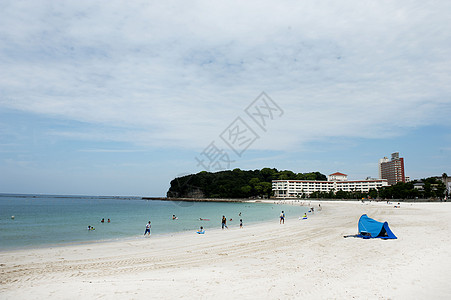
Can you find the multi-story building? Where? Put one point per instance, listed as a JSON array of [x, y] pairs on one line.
[[393, 170], [381, 161], [335, 182]]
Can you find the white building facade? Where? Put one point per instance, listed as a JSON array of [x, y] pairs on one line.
[[299, 188], [337, 177]]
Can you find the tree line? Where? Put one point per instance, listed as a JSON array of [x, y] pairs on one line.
[[432, 188], [235, 183]]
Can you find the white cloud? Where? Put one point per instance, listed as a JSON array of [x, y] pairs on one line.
[[177, 73]]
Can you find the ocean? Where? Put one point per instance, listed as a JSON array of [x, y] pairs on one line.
[[43, 221]]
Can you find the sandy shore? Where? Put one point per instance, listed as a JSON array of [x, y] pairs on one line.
[[301, 259]]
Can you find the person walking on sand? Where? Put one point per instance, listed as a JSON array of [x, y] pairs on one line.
[[148, 226], [282, 218], [224, 222]]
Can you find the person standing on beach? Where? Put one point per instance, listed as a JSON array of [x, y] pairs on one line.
[[282, 218], [148, 226], [224, 222], [241, 223]]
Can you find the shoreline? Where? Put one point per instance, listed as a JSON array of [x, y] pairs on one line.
[[303, 258], [137, 236], [148, 198], [420, 200]]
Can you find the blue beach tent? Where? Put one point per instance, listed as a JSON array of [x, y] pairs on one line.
[[370, 228]]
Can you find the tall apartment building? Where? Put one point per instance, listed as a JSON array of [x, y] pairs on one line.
[[392, 170], [382, 160]]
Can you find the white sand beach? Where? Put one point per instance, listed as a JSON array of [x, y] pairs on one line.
[[301, 259]]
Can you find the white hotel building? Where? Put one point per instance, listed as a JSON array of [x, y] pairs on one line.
[[335, 182]]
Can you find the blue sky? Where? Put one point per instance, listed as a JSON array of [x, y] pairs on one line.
[[118, 98]]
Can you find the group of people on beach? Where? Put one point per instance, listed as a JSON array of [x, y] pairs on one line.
[[304, 217], [147, 230], [224, 222]]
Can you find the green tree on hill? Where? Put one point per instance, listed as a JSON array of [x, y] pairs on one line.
[[234, 183]]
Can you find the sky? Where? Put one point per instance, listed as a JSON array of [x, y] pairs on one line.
[[120, 97]]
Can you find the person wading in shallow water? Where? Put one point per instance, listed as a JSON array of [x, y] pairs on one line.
[[282, 218], [224, 222], [148, 226]]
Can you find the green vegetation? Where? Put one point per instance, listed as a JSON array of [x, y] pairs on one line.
[[344, 195], [432, 188], [234, 184]]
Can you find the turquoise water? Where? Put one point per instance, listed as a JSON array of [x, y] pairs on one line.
[[57, 220]]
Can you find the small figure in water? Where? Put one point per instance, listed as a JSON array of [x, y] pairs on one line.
[[241, 223], [201, 230], [174, 217], [109, 220], [91, 228], [103, 220], [148, 226]]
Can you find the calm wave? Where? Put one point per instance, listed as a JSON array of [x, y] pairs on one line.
[[55, 220]]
